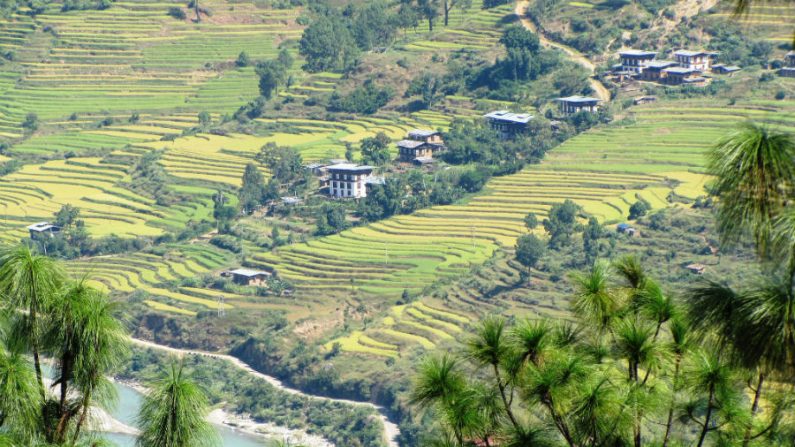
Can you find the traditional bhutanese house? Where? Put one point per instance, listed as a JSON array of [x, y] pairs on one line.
[[43, 229], [640, 100], [316, 168], [426, 135], [248, 277], [654, 70], [508, 123], [695, 60], [789, 70], [576, 104], [635, 61], [696, 269], [408, 150], [725, 69], [347, 180], [682, 75]]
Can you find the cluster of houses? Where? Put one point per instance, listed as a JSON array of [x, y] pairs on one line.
[[686, 68], [341, 179], [788, 71], [510, 124]]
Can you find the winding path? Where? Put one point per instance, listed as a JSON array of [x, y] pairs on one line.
[[391, 430], [600, 90]]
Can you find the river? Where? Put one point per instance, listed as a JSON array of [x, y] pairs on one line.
[[127, 409]]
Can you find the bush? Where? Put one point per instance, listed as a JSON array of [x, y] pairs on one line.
[[177, 13], [781, 94], [366, 99]]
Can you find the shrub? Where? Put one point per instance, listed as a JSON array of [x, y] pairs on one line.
[[177, 13]]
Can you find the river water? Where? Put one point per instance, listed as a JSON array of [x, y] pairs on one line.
[[127, 409]]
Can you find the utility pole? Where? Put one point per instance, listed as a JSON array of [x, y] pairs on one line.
[[221, 307]]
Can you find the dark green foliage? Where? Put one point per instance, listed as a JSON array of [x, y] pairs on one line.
[[177, 13], [31, 123], [150, 179], [328, 45], [590, 240], [375, 150], [253, 192], [561, 223], [366, 99], [331, 219], [227, 242], [530, 221], [285, 164], [493, 3], [429, 87], [529, 250], [473, 180], [272, 75], [242, 60], [639, 209]]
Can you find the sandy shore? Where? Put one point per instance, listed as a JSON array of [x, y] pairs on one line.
[[246, 425]]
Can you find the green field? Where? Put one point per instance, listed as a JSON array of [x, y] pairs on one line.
[[604, 170]]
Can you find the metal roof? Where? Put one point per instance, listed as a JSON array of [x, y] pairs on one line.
[[638, 53], [422, 133], [682, 70], [661, 64], [249, 272], [504, 115], [349, 167], [578, 98], [690, 53], [43, 226], [410, 144]]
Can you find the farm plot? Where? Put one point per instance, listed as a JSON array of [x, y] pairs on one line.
[[604, 170], [134, 58]]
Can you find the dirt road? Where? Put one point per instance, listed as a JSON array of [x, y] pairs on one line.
[[600, 90]]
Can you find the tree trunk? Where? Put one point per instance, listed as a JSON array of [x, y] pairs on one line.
[[83, 414], [447, 7], [430, 24], [708, 416], [670, 422], [198, 14], [505, 401], [754, 407], [559, 422]]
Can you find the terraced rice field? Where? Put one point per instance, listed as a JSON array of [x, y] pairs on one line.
[[773, 21], [604, 170], [133, 57], [475, 29]]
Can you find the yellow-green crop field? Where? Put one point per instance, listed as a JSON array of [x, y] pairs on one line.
[[604, 170]]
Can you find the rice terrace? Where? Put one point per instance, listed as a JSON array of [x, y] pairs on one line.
[[352, 223]]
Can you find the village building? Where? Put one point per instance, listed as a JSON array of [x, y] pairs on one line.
[[725, 69], [347, 180], [634, 61], [654, 70], [509, 124], [420, 145], [248, 277], [576, 104], [627, 229], [43, 229], [788, 71], [640, 100], [694, 60], [683, 75], [696, 269], [427, 136]]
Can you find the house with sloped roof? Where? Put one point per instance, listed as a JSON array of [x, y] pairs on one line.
[[635, 61], [576, 104], [509, 124], [695, 60], [43, 229]]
